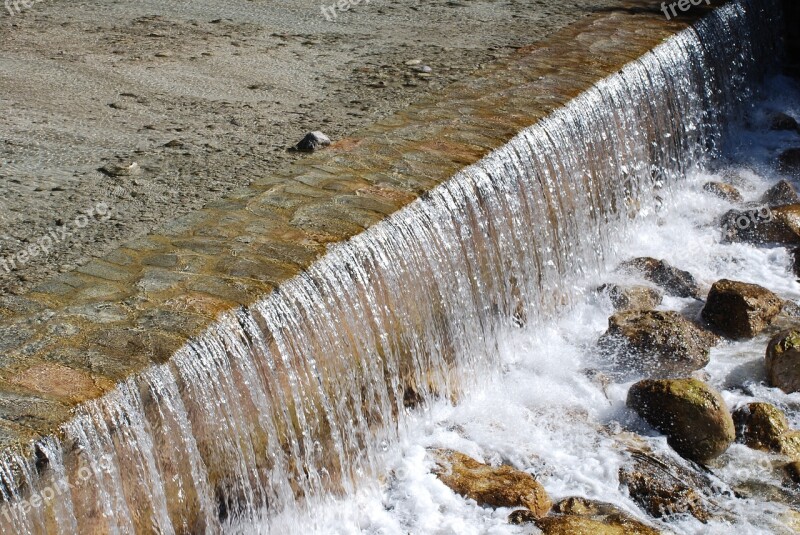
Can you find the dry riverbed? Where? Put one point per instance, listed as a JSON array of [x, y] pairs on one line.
[[205, 97]]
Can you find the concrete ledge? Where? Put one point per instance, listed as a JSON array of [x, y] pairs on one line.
[[75, 337]]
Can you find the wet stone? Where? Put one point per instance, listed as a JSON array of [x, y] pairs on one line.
[[723, 191], [103, 270], [780, 194]]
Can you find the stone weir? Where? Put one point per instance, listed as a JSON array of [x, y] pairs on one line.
[[125, 377]]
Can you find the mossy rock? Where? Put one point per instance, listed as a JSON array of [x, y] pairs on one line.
[[692, 415], [740, 310], [656, 343], [783, 361], [764, 427]]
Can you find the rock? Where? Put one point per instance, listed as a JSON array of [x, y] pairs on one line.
[[121, 169], [793, 471], [759, 225], [795, 254], [692, 415], [723, 191], [780, 194], [782, 121], [662, 344], [789, 162], [783, 361], [662, 487], [764, 427], [313, 141], [632, 297], [675, 281], [580, 515], [579, 525], [501, 486], [739, 310]]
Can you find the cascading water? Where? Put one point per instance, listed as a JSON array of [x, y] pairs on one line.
[[296, 400]]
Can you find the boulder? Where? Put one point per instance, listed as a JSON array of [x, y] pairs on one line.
[[580, 525], [783, 361], [632, 297], [723, 191], [739, 310], [675, 281], [662, 487], [580, 515], [763, 224], [691, 414], [764, 427], [501, 486], [660, 344], [780, 194], [789, 162]]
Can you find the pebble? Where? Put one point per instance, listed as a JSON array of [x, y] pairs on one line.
[[313, 141]]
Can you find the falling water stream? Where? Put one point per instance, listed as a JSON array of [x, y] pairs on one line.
[[286, 416]]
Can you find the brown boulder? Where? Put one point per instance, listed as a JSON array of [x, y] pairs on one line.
[[661, 344], [789, 162], [632, 297], [501, 486], [764, 427], [692, 415], [723, 191], [740, 310], [580, 515], [675, 281], [762, 224], [783, 361], [580, 525], [780, 194], [662, 487]]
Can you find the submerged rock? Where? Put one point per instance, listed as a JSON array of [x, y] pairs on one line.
[[691, 414], [740, 310], [633, 297], [313, 141], [783, 361], [676, 282], [780, 194], [764, 427], [662, 487], [661, 344], [501, 486], [723, 191]]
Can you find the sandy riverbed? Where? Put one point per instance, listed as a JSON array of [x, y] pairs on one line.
[[205, 97]]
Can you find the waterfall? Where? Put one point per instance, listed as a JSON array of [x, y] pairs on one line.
[[295, 398]]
